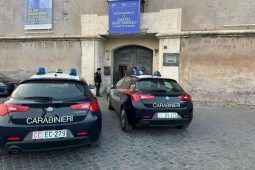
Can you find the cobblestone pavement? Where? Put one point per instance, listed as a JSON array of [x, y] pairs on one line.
[[218, 138]]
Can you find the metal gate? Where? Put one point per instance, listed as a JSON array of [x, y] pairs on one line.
[[132, 56]]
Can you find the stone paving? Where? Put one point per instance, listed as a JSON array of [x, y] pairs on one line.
[[218, 138]]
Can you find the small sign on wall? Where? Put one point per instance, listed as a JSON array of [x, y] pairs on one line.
[[171, 59], [107, 71]]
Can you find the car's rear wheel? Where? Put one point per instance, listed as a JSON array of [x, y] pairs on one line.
[[109, 103], [14, 151], [125, 125], [97, 143]]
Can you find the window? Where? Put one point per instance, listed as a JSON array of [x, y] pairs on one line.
[[164, 85], [56, 90], [126, 83]]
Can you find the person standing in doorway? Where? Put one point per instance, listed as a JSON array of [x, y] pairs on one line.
[[135, 71], [98, 81]]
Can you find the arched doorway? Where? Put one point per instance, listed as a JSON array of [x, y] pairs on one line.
[[126, 58]]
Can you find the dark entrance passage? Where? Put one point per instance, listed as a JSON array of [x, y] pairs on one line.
[[132, 56]]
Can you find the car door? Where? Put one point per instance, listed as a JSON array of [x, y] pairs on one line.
[[121, 92], [114, 94]]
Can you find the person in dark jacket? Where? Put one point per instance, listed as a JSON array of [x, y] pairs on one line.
[[98, 81], [136, 72]]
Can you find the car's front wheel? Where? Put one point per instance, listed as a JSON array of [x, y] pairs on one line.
[[125, 125]]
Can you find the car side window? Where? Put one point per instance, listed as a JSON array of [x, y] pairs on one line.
[[120, 83], [126, 83], [133, 81]]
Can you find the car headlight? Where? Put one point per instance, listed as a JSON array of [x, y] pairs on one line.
[[2, 84]]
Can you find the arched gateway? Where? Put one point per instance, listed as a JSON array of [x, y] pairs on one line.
[[149, 50], [126, 58]]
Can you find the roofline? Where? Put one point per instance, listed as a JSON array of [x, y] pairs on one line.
[[58, 79], [45, 77], [152, 77]]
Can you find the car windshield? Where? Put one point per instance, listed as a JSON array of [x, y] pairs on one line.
[[51, 91], [158, 85]]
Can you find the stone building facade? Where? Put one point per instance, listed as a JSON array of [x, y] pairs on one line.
[[213, 39]]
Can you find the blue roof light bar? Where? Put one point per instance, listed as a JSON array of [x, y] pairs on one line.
[[157, 74], [73, 72], [40, 71]]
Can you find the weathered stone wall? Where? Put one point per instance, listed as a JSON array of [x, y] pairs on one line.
[[219, 69], [209, 14], [21, 59], [66, 16], [196, 14]]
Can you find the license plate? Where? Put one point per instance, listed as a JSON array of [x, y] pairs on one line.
[[51, 134], [168, 115]]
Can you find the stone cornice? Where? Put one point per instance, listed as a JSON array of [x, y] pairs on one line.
[[215, 33], [52, 38], [183, 34]]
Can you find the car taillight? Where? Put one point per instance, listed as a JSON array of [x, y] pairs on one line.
[[14, 138], [82, 133], [92, 106], [17, 108], [186, 98], [136, 97], [186, 115], [146, 97], [147, 116], [3, 109], [6, 108]]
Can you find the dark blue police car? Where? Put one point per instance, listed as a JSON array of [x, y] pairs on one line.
[[143, 101], [7, 85], [50, 111]]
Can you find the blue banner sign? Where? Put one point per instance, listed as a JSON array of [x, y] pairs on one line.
[[124, 16], [38, 14]]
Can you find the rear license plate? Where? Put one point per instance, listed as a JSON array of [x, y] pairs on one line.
[[172, 115], [51, 134]]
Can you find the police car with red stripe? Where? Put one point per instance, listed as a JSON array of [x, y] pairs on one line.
[[50, 111], [147, 101]]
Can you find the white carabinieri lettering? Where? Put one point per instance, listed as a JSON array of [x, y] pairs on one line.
[[166, 105], [49, 120]]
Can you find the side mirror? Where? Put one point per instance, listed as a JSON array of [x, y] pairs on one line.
[[92, 86]]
